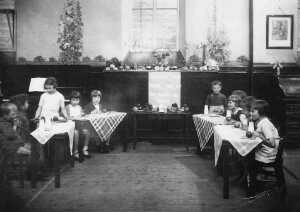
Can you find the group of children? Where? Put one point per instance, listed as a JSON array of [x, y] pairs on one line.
[[15, 125], [255, 109], [52, 103]]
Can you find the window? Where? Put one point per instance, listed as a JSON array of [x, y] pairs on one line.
[[154, 25], [7, 29]]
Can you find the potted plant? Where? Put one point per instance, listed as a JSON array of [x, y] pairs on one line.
[[39, 59], [22, 60], [217, 48]]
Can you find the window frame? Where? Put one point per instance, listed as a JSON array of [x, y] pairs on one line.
[[12, 29], [154, 27]]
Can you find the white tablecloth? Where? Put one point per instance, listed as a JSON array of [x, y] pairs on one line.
[[204, 126], [43, 136], [236, 137], [104, 123]]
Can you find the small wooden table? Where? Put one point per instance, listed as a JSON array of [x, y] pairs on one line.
[[228, 137], [159, 126], [57, 133]]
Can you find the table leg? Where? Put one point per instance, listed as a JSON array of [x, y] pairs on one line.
[[134, 131], [225, 171], [185, 133], [34, 164], [56, 165], [124, 133]]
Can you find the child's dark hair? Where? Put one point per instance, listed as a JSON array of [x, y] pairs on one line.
[[262, 106], [19, 100], [75, 95], [51, 81], [240, 93], [247, 102], [5, 108], [216, 82], [96, 93]]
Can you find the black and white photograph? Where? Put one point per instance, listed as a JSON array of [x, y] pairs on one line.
[[149, 105]]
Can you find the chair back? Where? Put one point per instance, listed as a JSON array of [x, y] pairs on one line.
[[279, 159]]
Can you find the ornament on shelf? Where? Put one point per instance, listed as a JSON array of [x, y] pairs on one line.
[[277, 67]]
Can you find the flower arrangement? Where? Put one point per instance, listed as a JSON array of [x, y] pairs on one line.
[[161, 56], [277, 66], [217, 47], [70, 33], [52, 60], [39, 59]]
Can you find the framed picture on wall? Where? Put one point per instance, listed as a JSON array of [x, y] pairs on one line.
[[279, 31]]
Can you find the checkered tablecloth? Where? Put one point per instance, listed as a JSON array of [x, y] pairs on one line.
[[204, 126], [105, 123], [236, 137], [43, 135]]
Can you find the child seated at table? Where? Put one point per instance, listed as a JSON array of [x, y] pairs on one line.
[[94, 106], [23, 124], [266, 152], [233, 106], [10, 142], [216, 101], [52, 102], [74, 110]]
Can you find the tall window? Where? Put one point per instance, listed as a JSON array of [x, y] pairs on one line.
[[154, 25], [7, 29]]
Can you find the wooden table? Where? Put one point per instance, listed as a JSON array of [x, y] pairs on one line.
[[227, 137], [56, 134], [160, 126]]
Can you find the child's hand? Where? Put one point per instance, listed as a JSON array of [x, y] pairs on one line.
[[259, 135], [95, 111], [24, 151]]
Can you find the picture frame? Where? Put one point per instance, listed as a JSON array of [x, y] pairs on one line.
[[279, 31]]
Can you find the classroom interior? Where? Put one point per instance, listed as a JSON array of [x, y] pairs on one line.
[[154, 147]]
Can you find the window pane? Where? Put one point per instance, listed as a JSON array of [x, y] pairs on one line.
[[142, 31], [166, 3], [142, 3], [166, 29], [5, 37]]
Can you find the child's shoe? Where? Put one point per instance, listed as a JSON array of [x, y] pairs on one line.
[[85, 152]]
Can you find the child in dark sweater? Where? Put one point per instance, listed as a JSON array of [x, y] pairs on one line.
[[216, 101]]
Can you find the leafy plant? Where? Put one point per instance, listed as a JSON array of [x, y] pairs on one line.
[[217, 47], [70, 32], [52, 59], [242, 59], [22, 60], [99, 58], [115, 61], [86, 59], [39, 59]]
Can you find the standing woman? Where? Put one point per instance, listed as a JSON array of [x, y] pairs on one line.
[[52, 102]]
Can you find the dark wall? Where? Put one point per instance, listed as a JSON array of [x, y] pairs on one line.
[[196, 86], [121, 90]]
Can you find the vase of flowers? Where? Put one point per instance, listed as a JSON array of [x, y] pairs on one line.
[[217, 47]]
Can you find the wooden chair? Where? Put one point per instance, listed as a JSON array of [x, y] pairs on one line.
[[17, 167], [274, 169]]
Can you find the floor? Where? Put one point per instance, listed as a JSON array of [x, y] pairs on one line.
[[154, 178]]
